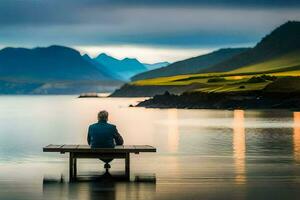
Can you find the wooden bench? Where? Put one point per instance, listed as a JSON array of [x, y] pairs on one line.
[[85, 151]]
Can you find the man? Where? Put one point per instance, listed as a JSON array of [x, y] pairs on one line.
[[104, 135]]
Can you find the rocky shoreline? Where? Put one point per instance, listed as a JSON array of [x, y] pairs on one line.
[[248, 100]]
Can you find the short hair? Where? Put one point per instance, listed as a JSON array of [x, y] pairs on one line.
[[103, 115]]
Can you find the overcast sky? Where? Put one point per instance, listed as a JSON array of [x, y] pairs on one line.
[[154, 30]]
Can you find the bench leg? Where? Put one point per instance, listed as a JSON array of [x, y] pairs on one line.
[[75, 168], [71, 167], [127, 166]]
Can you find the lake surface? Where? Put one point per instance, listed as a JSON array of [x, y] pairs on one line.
[[202, 154]]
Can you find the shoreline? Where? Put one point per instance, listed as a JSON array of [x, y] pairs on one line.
[[225, 101]]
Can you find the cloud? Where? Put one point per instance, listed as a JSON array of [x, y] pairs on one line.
[[187, 3], [185, 24]]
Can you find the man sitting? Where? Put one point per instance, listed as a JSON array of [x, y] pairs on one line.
[[104, 135]]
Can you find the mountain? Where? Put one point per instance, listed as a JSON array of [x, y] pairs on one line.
[[50, 63], [192, 65], [287, 62], [102, 68], [43, 69], [275, 57], [156, 65], [282, 41], [278, 49], [124, 68]]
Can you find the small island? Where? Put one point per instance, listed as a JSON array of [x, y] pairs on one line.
[[89, 95]]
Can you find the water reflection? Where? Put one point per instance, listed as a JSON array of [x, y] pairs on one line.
[[296, 136], [173, 139], [199, 151], [92, 190], [239, 146], [173, 130]]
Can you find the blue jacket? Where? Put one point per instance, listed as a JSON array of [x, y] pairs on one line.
[[103, 135]]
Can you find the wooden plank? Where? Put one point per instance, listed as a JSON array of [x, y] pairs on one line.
[[83, 146], [145, 148], [110, 150], [86, 148], [129, 147], [52, 148], [69, 146]]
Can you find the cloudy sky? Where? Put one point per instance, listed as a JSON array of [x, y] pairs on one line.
[[151, 30]]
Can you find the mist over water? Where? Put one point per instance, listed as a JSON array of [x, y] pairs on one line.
[[205, 154]]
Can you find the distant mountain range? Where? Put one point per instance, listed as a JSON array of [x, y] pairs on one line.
[[105, 70], [191, 65], [156, 65], [59, 69], [123, 69], [54, 69], [47, 64]]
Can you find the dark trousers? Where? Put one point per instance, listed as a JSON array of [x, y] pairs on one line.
[[106, 160]]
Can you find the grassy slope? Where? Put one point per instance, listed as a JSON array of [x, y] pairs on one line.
[[285, 61], [286, 65], [192, 65]]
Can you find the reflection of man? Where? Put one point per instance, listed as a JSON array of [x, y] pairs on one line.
[[104, 135]]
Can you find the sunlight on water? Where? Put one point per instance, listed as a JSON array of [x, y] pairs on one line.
[[296, 136], [173, 130], [239, 145]]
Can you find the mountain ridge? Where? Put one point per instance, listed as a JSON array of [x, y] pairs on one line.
[[275, 56], [191, 65], [48, 63], [124, 68], [156, 65], [281, 40], [55, 69]]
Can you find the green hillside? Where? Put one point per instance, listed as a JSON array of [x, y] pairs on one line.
[[280, 42], [276, 50], [235, 80], [284, 61], [191, 65], [275, 57]]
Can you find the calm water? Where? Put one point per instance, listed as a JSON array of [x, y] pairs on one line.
[[202, 154]]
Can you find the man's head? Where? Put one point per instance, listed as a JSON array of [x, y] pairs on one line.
[[103, 115]]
